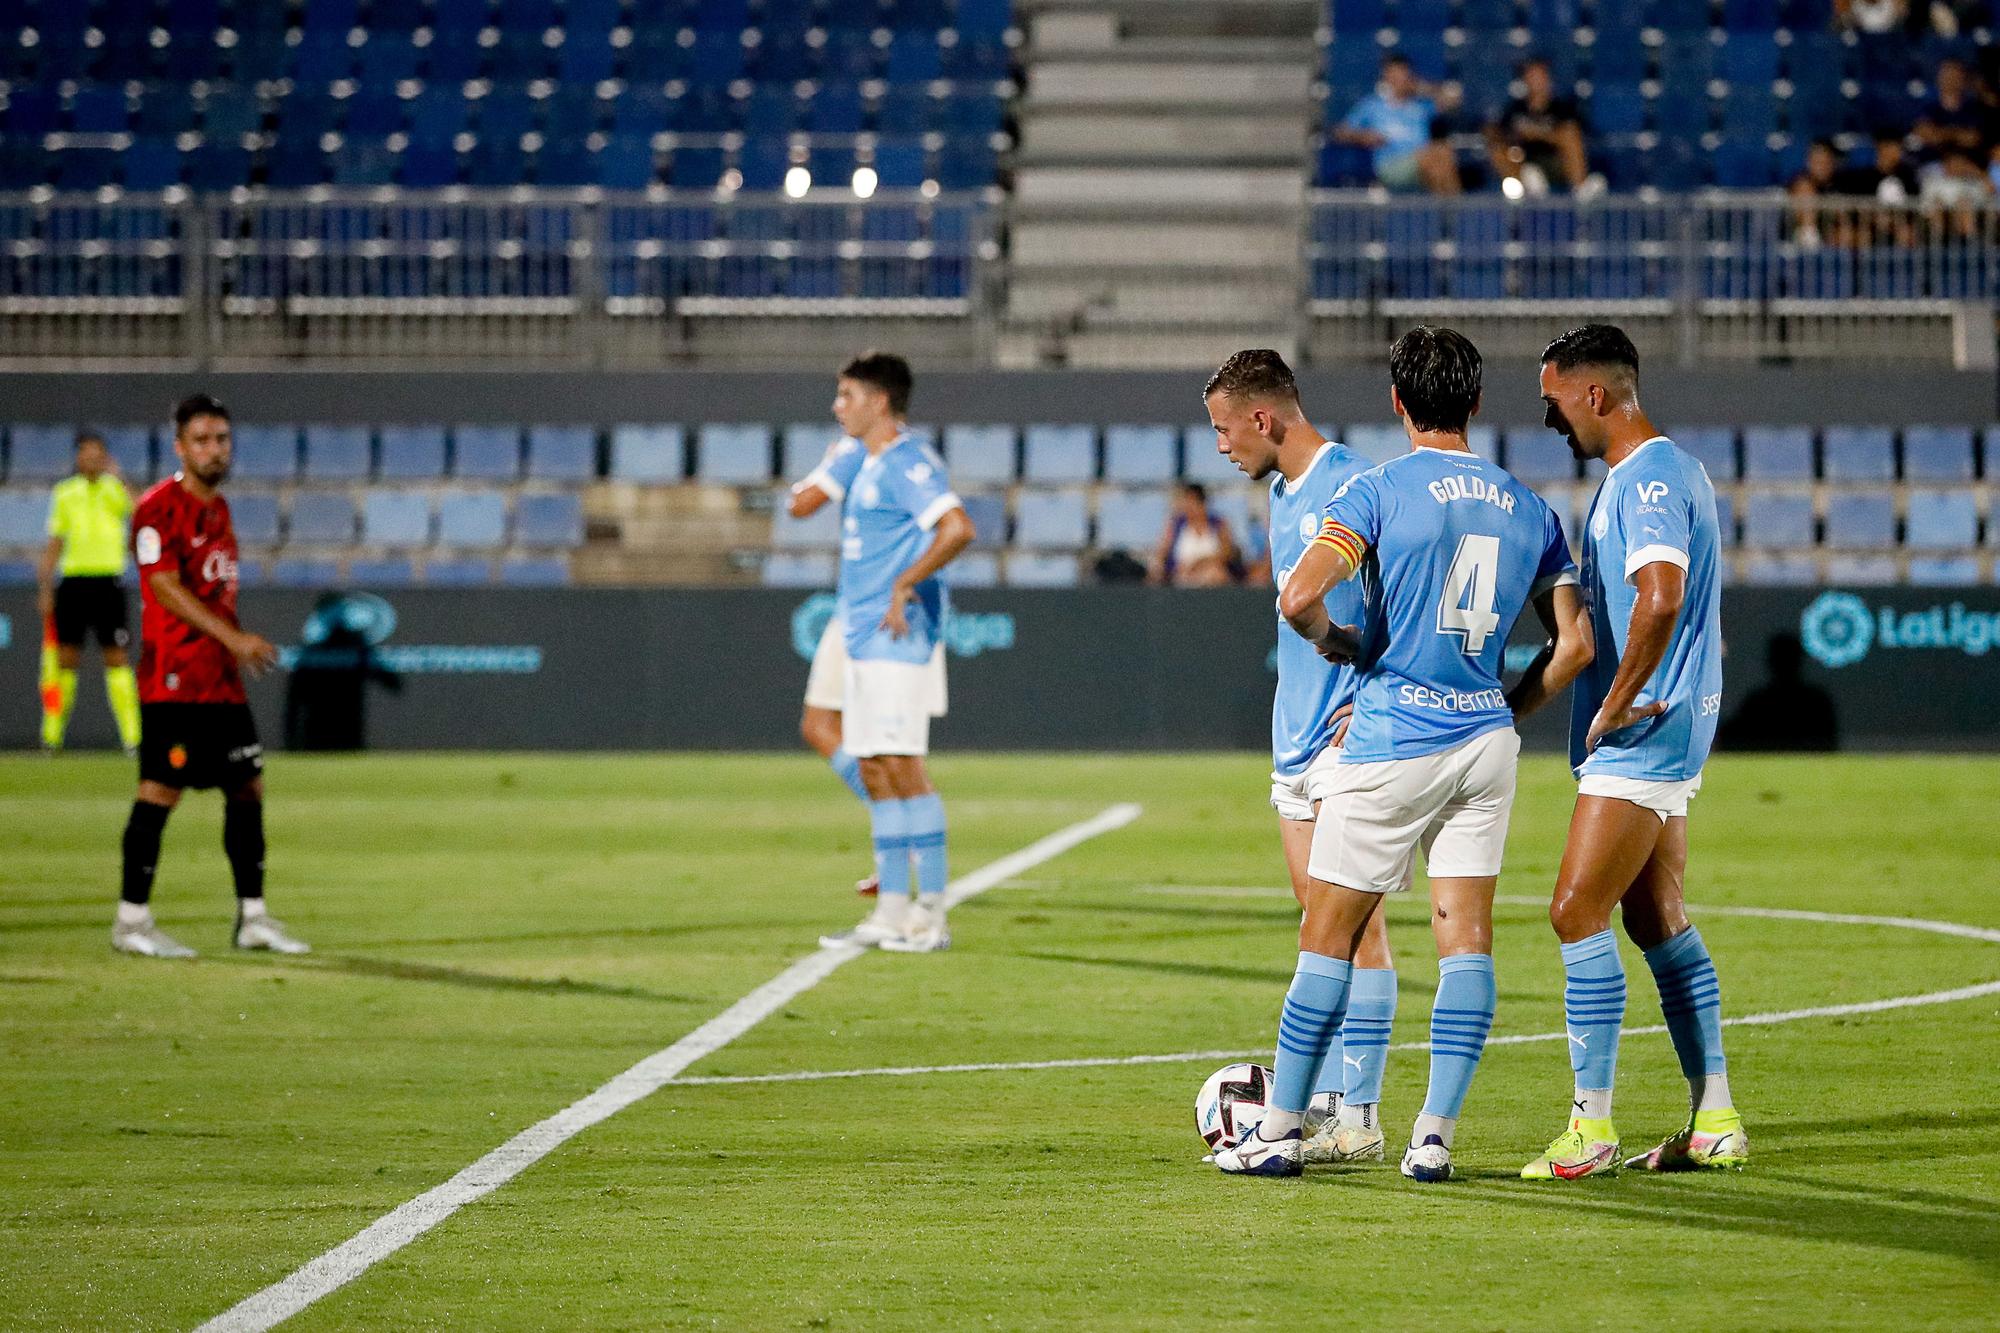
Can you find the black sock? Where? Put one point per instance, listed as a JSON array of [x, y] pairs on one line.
[[243, 841], [142, 850]]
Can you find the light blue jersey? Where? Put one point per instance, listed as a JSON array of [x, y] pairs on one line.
[[1657, 505], [1450, 548], [895, 499], [1310, 688], [835, 471]]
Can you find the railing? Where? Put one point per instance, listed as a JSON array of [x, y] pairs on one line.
[[1718, 275]]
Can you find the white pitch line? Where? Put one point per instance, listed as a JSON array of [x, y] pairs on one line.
[[397, 1228]]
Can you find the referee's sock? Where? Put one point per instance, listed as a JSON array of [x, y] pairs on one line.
[[58, 697], [122, 687], [142, 854], [243, 843], [848, 769]]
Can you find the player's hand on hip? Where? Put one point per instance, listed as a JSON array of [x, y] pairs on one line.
[[893, 619], [253, 653], [1339, 644], [1605, 723], [1341, 717]]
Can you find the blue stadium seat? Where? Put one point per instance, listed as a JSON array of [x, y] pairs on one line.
[[819, 530], [543, 571], [412, 453], [1141, 453], [1780, 571], [1617, 108], [1725, 517], [1377, 441], [1201, 460], [457, 571], [1131, 520], [549, 520], [1040, 569], [562, 453], [1861, 571], [989, 519], [980, 454], [1051, 520], [40, 453], [255, 516], [1861, 520], [294, 571], [396, 519], [337, 453], [1536, 454], [1960, 571], [1937, 453], [264, 453], [648, 454], [321, 518], [391, 571], [974, 569], [1941, 521], [1777, 453], [472, 519], [24, 518], [733, 454], [799, 569], [486, 453], [1858, 453], [1777, 519], [1714, 447], [802, 445], [150, 164], [132, 449]]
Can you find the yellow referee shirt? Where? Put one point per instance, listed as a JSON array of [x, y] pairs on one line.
[[92, 518]]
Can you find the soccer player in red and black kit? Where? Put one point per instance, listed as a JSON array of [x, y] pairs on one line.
[[196, 727]]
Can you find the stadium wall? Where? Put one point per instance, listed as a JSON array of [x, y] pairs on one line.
[[1100, 669], [1816, 396]]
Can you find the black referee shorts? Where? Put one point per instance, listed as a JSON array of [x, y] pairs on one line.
[[199, 745], [90, 604]]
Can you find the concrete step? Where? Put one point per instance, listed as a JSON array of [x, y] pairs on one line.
[[617, 566], [1145, 299], [1163, 349], [1204, 245], [1190, 18], [1038, 189], [1184, 84], [1125, 49], [1235, 139]]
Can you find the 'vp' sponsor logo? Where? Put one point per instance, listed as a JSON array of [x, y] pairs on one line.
[[1839, 629], [966, 633], [1652, 492]]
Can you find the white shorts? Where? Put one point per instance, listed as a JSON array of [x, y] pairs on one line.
[[1668, 800], [888, 709], [1294, 797], [826, 683], [1454, 804]]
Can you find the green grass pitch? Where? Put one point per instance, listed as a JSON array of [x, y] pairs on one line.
[[498, 935]]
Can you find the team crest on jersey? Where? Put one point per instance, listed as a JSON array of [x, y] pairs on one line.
[[1308, 527], [1601, 524], [870, 495]]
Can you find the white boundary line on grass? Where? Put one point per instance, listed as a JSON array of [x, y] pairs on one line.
[[397, 1228]]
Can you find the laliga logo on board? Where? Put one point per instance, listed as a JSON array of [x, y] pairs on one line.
[[1839, 629]]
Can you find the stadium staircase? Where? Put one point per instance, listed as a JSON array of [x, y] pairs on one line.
[[1158, 195]]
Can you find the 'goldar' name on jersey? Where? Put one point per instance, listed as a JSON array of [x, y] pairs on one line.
[[1310, 688]]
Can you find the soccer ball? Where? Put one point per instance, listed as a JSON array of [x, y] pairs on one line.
[[1231, 1103]]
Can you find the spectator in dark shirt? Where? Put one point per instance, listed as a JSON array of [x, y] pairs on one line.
[[1538, 139], [1956, 118], [1815, 225], [1888, 178]]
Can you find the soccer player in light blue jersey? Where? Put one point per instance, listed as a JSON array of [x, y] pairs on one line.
[[900, 525], [1449, 548], [1641, 723], [826, 682], [1260, 425]]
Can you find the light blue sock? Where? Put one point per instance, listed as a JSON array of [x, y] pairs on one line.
[[1306, 1028], [924, 816], [848, 769], [1594, 1009], [1371, 1013], [892, 848], [1329, 1077], [1691, 999], [1461, 1017]]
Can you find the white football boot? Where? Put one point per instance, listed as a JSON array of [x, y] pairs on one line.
[[884, 923], [924, 930], [1259, 1156], [1336, 1142], [1429, 1161], [267, 932], [147, 940]]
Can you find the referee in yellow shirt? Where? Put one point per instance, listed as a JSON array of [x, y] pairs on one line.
[[90, 516]]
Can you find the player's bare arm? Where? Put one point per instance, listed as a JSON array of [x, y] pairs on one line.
[[1303, 602], [1662, 588], [954, 533], [807, 498], [1570, 648], [45, 578], [253, 652]]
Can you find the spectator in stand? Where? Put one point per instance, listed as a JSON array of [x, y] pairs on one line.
[[1398, 124], [1957, 189], [1815, 225], [1956, 118], [1538, 139], [1871, 16], [1888, 178], [1196, 549]]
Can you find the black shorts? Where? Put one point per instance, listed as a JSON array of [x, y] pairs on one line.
[[90, 604], [199, 745]]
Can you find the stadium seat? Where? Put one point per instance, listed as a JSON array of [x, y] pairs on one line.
[[389, 571], [1131, 520], [1201, 461], [1725, 518], [294, 571], [472, 519], [1944, 571], [819, 530], [549, 520], [1141, 453], [733, 454], [1937, 453], [1941, 521], [396, 519], [457, 571], [412, 453], [801, 447], [486, 453], [525, 571], [40, 453], [1051, 520], [132, 449], [264, 453], [337, 453], [1858, 453], [321, 518], [1777, 519], [1536, 454], [980, 454], [1038, 569], [1053, 453], [562, 453], [24, 517], [799, 569], [1862, 571], [648, 454], [989, 520], [974, 569], [255, 516], [1861, 520], [1780, 571], [1777, 453], [1715, 447]]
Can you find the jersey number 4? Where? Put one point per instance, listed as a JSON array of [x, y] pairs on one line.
[[1469, 588]]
